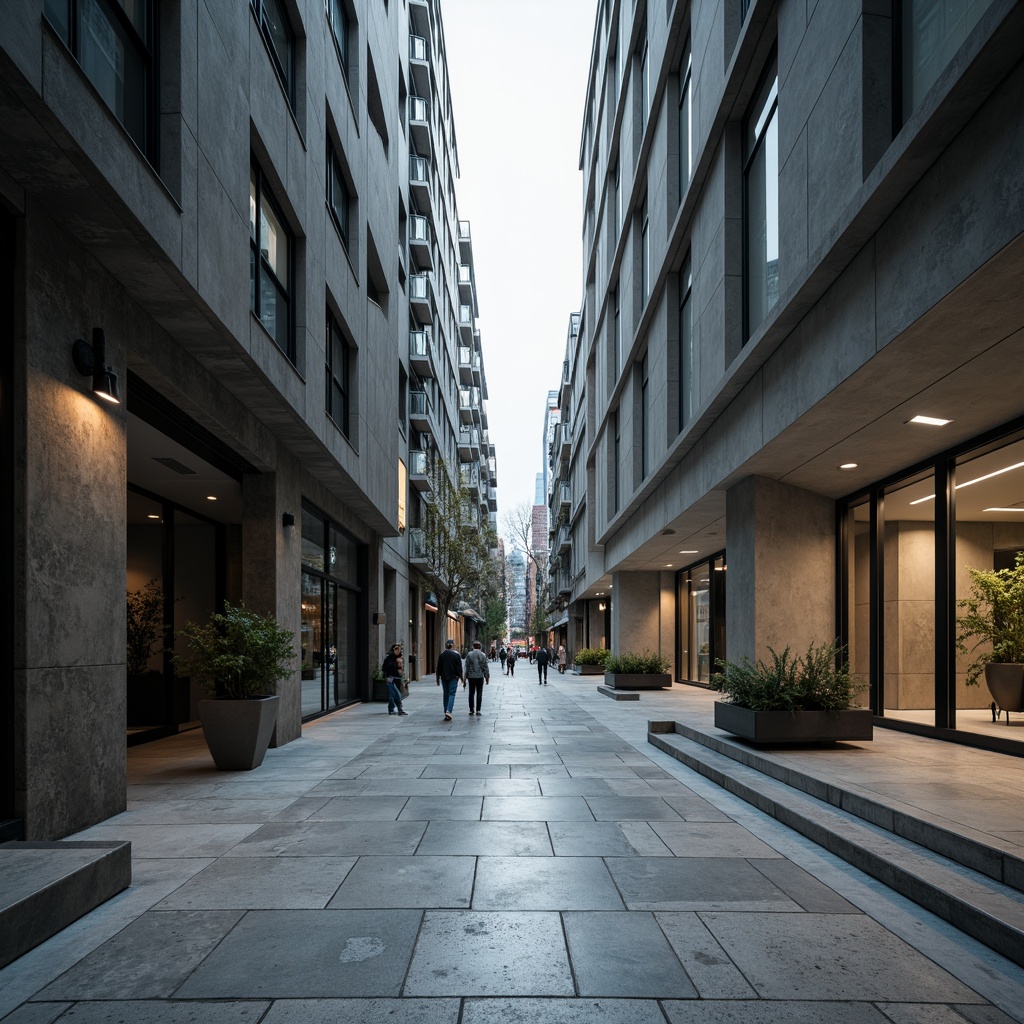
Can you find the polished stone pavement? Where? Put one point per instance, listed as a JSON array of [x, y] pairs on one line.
[[541, 862]]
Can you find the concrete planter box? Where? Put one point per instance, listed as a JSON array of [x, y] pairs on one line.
[[238, 732], [637, 680], [794, 726], [590, 670]]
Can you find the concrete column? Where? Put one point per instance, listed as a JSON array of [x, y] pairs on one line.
[[636, 612], [271, 567], [780, 543]]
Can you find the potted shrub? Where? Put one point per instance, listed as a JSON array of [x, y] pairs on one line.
[[144, 637], [590, 661], [806, 699], [632, 671], [994, 618], [238, 656]]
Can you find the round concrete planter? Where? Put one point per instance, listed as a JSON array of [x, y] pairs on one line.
[[1006, 684], [238, 732], [637, 680]]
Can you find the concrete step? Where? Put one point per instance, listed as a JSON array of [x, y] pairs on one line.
[[978, 904], [44, 887]]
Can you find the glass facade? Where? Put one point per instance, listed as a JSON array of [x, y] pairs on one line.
[[700, 629], [334, 670], [761, 202], [907, 547]]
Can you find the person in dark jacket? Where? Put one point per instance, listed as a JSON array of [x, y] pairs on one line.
[[477, 674], [510, 662], [393, 669], [449, 672], [502, 655], [543, 657]]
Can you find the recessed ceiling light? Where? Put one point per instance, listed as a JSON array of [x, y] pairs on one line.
[[848, 465], [152, 515], [668, 565], [929, 421], [689, 552], [211, 497]]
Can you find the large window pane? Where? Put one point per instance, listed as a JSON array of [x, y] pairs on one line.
[[312, 540], [761, 189], [687, 368], [989, 534], [932, 31], [908, 612], [311, 646]]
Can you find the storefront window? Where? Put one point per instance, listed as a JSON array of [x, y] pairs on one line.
[[701, 610], [332, 588], [908, 613], [989, 534]]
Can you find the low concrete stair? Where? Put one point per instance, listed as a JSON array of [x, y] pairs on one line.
[[44, 887], [961, 876]]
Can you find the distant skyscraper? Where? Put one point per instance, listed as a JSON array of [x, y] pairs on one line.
[[539, 490]]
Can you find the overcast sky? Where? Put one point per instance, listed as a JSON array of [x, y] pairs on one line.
[[518, 75]]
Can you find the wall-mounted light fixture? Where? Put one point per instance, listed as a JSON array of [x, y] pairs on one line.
[[601, 606], [90, 361], [287, 518]]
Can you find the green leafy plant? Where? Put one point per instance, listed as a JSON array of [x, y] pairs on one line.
[[994, 614], [819, 680], [144, 626], [592, 656], [237, 654], [632, 663]]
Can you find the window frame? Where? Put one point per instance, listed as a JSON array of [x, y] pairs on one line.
[[686, 360], [763, 111], [147, 48], [341, 46], [338, 384], [261, 264], [336, 175], [686, 138], [286, 74]]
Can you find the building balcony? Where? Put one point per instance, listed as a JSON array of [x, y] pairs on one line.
[[469, 444], [465, 364], [420, 297], [469, 404], [564, 491], [418, 470], [564, 539], [419, 123], [419, 64], [563, 438], [418, 546], [419, 410], [467, 326], [469, 475], [492, 499], [563, 581], [419, 183], [465, 241], [419, 352], [420, 249], [465, 282]]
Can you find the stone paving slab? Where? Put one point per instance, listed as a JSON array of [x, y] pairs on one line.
[[404, 882], [562, 1011], [552, 883], [481, 954], [363, 1011], [301, 953]]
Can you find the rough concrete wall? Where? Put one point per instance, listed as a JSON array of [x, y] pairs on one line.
[[781, 545], [69, 502], [636, 612]]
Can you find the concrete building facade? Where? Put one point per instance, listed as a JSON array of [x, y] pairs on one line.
[[269, 432], [802, 231]]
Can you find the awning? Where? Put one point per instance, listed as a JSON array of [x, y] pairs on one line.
[[561, 622], [472, 613]]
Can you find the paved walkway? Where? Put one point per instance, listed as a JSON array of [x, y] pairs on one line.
[[541, 862]]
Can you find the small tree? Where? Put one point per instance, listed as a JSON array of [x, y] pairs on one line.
[[495, 620], [144, 626], [539, 627], [458, 548]]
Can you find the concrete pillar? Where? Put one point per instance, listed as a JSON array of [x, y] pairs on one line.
[[780, 543], [636, 612], [271, 567]]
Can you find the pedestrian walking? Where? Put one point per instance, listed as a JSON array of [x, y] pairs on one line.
[[542, 657], [561, 658], [492, 654], [502, 655], [393, 669], [477, 673], [449, 675], [510, 662]]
